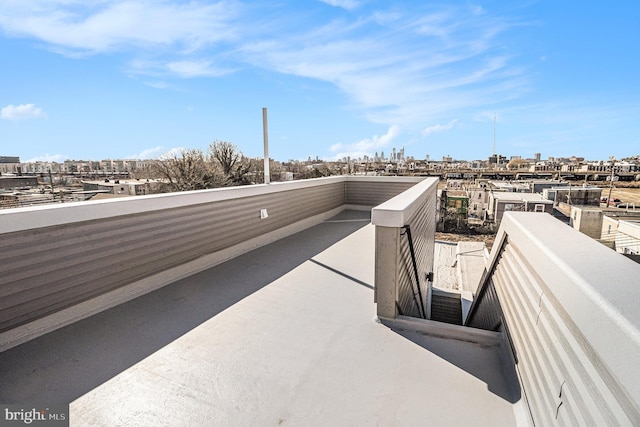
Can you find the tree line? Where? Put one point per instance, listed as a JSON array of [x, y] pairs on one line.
[[223, 165]]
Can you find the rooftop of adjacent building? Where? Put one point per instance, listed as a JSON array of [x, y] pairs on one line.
[[529, 197]]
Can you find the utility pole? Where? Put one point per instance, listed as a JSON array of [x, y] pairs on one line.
[[611, 158]]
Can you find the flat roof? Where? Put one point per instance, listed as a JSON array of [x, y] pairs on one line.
[[286, 333], [577, 188], [528, 197]]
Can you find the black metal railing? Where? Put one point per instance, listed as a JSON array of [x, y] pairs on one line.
[[417, 294]]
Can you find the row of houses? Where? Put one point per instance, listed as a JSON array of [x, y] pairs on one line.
[[483, 202], [396, 162], [21, 191], [617, 228], [12, 165]]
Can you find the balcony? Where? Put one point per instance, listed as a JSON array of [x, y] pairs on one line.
[[255, 306]]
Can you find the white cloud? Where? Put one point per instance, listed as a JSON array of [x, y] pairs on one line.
[[158, 152], [173, 152], [182, 69], [48, 158], [91, 27], [439, 128], [477, 10], [366, 146], [157, 85], [149, 153], [405, 67], [189, 69], [345, 4], [22, 112]]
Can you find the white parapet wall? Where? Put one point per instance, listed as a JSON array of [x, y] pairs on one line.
[[569, 306], [64, 262]]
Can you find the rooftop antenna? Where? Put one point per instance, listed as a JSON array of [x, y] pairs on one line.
[[493, 147], [265, 133]]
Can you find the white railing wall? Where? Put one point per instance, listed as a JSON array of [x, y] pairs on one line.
[[64, 262], [570, 306]]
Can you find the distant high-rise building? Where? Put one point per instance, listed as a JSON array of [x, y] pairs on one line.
[[537, 157], [497, 159]]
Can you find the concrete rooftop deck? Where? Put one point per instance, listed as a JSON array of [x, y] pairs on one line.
[[283, 335]]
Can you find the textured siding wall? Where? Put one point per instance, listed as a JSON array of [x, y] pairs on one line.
[[50, 268], [396, 283], [485, 312], [372, 191], [573, 323]]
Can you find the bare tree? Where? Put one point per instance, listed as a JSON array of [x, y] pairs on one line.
[[225, 154], [517, 164], [191, 169], [235, 167], [187, 170]]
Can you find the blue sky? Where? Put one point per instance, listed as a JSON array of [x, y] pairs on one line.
[[100, 79]]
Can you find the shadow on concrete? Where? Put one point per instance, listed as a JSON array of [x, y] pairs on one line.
[[487, 363], [63, 365]]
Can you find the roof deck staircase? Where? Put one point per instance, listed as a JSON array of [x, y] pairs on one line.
[[446, 307]]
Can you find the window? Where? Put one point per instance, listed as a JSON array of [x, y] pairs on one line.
[[508, 206], [538, 208], [455, 203]]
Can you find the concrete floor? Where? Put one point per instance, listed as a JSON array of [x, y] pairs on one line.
[[283, 335], [458, 266]]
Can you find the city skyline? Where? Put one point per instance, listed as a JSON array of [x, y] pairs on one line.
[[394, 155], [134, 79]]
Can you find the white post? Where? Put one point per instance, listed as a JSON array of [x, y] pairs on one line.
[[267, 179]]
